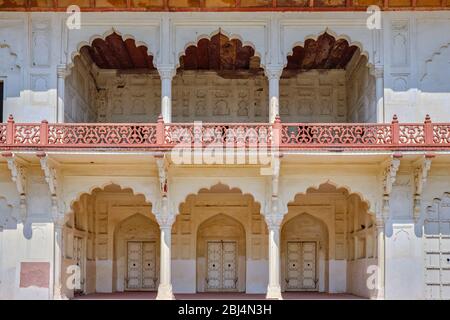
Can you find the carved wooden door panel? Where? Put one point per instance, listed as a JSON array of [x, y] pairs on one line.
[[141, 266], [222, 265], [149, 278], [301, 266], [309, 265], [437, 252], [229, 265], [214, 273], [293, 265], [134, 273]]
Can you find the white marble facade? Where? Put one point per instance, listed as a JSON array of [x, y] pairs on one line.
[[339, 198]]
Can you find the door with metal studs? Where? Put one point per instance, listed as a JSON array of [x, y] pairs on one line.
[[301, 266], [141, 273], [222, 266]]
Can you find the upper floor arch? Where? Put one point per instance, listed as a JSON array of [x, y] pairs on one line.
[[121, 40], [354, 34]]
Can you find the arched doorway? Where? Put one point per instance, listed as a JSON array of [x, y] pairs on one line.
[[113, 238], [221, 255], [136, 252], [304, 253], [331, 238], [112, 80], [229, 224], [327, 79], [220, 79], [436, 249]]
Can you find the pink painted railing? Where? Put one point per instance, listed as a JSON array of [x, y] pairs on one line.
[[393, 135]]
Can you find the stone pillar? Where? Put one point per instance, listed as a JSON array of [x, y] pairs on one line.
[[378, 72], [166, 73], [274, 288], [165, 220], [381, 257], [273, 73], [58, 291], [62, 73]]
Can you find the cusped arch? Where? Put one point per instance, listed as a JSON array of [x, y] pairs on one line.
[[219, 51], [304, 215], [325, 50], [75, 195], [292, 194], [220, 216], [132, 218], [433, 210], [181, 192], [118, 44]]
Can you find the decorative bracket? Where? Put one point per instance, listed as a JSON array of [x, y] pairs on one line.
[[421, 169], [163, 168], [18, 176], [275, 176], [390, 173], [49, 167], [389, 176], [164, 213]]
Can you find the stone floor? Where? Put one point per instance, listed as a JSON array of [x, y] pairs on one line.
[[214, 296]]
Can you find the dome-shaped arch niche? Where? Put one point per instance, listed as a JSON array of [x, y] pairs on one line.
[[220, 78], [74, 191], [220, 53], [352, 234], [111, 78], [92, 226], [324, 50], [136, 228], [181, 191], [240, 221], [364, 190], [305, 228], [336, 81], [226, 230], [122, 50], [220, 50]]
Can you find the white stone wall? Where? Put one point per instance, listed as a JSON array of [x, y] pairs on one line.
[[32, 240], [412, 48]]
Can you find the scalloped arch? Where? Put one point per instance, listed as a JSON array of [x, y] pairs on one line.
[[333, 34], [229, 35], [209, 219], [336, 187], [89, 190], [322, 222], [108, 32], [207, 186]]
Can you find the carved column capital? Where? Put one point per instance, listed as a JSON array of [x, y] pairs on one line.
[[273, 72], [376, 71], [164, 213], [274, 221], [166, 72], [61, 71]]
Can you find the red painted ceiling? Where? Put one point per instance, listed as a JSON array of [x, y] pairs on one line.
[[220, 54], [116, 53], [324, 53]]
